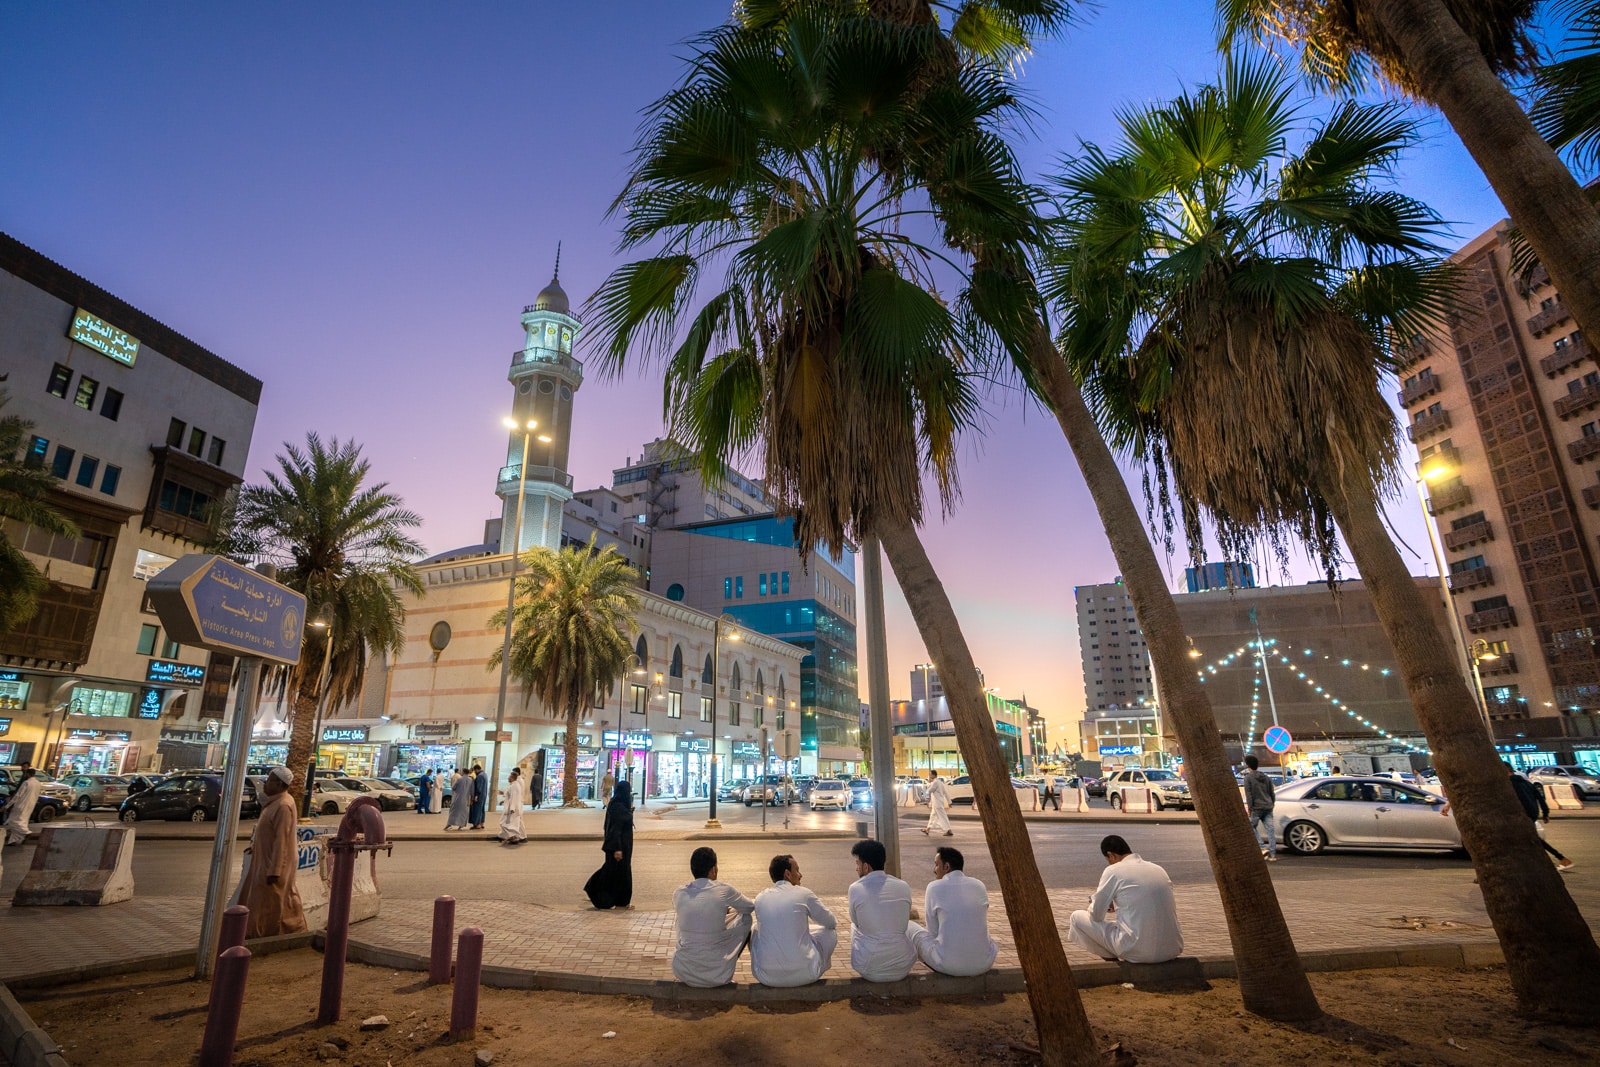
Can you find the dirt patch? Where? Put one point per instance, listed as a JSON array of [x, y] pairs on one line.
[[1399, 1017]]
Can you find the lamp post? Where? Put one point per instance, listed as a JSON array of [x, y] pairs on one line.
[[527, 429], [633, 666], [716, 640], [927, 713], [1481, 651], [323, 622], [1435, 472]]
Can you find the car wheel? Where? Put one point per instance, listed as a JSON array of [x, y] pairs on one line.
[[129, 815], [330, 808], [1305, 838], [748, 803], [83, 803], [1155, 799], [1116, 802], [198, 815], [45, 815]]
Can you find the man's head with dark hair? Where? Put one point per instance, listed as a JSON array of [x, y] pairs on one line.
[[702, 861], [1114, 845], [779, 867], [870, 852], [949, 857], [1252, 762]]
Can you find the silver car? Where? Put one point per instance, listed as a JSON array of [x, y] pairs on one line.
[[1584, 782], [1318, 813], [91, 791]]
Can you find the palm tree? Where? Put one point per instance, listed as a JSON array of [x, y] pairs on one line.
[[821, 346], [1566, 100], [1228, 302], [344, 544], [1453, 55], [570, 634], [1272, 980], [24, 487]]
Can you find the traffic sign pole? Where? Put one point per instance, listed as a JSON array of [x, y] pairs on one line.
[[244, 713]]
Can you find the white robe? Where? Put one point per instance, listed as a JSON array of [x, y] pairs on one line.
[[511, 817], [436, 795], [880, 912], [784, 951], [20, 810], [938, 807], [1145, 928], [713, 925], [956, 940]]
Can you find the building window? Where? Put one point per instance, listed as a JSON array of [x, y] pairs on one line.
[[84, 397], [109, 480], [218, 446], [641, 699], [738, 588], [1490, 604], [763, 583], [197, 442], [759, 716], [1590, 429], [1466, 520], [780, 718], [674, 705], [675, 668], [111, 406], [1472, 563], [147, 639], [60, 381], [88, 467], [61, 466], [38, 448], [733, 714], [785, 581], [175, 431], [675, 591], [705, 709], [727, 589], [170, 649], [182, 500]]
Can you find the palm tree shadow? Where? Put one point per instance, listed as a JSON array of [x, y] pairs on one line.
[[1345, 1031]]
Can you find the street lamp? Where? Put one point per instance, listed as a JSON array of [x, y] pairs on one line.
[[716, 640], [1481, 651], [527, 429], [927, 711], [1436, 470], [323, 622], [633, 666]]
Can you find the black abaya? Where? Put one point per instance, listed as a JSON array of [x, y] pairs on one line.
[[612, 885]]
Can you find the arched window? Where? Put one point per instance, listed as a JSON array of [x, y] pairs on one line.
[[675, 591], [733, 683], [642, 650], [761, 684], [706, 671], [781, 693], [676, 670]]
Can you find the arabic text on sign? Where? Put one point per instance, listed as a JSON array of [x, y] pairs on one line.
[[165, 670], [634, 739], [94, 332], [1119, 750], [344, 733]]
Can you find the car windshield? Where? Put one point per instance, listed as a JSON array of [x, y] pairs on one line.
[[1161, 776], [351, 784]]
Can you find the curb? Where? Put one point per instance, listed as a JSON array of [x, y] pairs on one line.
[[23, 1044], [483, 835], [155, 961]]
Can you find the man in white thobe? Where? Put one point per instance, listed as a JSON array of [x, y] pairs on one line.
[[20, 809], [938, 806], [713, 924], [511, 831], [784, 950], [880, 912], [1144, 928], [956, 940]]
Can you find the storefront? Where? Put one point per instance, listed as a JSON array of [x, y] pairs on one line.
[[686, 771], [555, 761], [744, 762], [1526, 755], [626, 754], [85, 751], [348, 750], [432, 746]]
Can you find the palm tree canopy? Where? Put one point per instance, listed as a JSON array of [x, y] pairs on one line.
[[571, 625], [24, 487], [1227, 300], [791, 157], [1342, 45], [997, 31], [341, 542], [1566, 101]]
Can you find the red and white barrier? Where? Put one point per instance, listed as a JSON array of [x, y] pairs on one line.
[[1136, 799], [1562, 796]]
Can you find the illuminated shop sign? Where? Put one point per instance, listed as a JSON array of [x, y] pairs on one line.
[[694, 744], [639, 740], [149, 704], [5, 727], [345, 734], [99, 735], [165, 670], [1119, 750], [91, 331], [747, 748]]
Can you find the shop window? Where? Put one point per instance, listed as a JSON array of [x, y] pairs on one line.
[[111, 406], [705, 709], [641, 699], [674, 705], [175, 431], [61, 466], [218, 447], [106, 703], [147, 639], [84, 397], [110, 479], [87, 469], [60, 381]]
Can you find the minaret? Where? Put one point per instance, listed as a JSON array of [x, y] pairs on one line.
[[543, 378]]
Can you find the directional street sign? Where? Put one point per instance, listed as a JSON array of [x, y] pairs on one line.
[[216, 603], [1277, 739]]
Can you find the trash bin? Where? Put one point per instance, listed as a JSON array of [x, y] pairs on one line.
[[863, 828]]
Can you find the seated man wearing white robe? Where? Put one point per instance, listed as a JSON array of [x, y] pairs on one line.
[[1144, 928], [956, 940], [880, 912], [784, 950], [713, 925]]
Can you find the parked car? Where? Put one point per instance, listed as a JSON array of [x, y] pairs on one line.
[[399, 783], [960, 789], [1367, 812], [90, 791], [802, 787], [138, 783], [195, 797], [1095, 787], [329, 796], [830, 793], [389, 797], [50, 785], [770, 790], [1167, 790], [1585, 783], [732, 789], [45, 809]]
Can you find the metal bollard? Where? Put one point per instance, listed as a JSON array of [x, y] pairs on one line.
[[336, 940], [469, 972], [227, 1001], [444, 929], [231, 935]]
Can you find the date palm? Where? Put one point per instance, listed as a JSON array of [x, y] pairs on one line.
[[570, 634], [344, 543], [24, 489], [1227, 304], [1566, 90]]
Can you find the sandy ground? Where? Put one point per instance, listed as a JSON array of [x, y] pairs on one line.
[[1401, 1017]]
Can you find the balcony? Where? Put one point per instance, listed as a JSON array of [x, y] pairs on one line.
[[1428, 425], [1591, 495], [1506, 664], [1584, 447], [1568, 355], [1548, 318], [521, 357], [550, 475], [1456, 540], [1582, 400], [1443, 499], [1493, 619], [1408, 352], [1538, 278], [1425, 385], [1471, 579]]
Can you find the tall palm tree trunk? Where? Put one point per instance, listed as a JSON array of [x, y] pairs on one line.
[[1538, 190], [1272, 980], [1550, 952], [1065, 1038], [302, 739], [569, 762]]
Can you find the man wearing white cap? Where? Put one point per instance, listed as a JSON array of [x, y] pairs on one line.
[[269, 890]]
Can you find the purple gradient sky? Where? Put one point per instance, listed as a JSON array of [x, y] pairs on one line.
[[354, 201]]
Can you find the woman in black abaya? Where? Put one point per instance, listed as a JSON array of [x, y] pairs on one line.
[[612, 885]]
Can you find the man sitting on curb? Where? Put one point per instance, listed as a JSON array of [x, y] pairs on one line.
[[713, 925], [956, 940], [880, 912], [1144, 926], [784, 951]]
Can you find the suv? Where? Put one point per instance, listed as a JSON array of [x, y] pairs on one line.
[[1167, 790], [770, 790]]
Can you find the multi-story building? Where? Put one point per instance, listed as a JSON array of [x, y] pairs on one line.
[[145, 432], [665, 488], [917, 748], [1116, 662], [1230, 574]]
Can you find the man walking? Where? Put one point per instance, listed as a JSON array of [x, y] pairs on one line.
[[608, 785], [269, 890], [511, 832], [20, 810], [1144, 928], [784, 950], [938, 806], [1051, 798], [956, 940], [713, 924], [425, 792], [1259, 800], [480, 797], [880, 917], [1533, 803]]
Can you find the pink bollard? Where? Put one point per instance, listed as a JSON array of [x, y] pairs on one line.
[[227, 1001], [444, 928], [231, 935], [469, 972], [336, 939]]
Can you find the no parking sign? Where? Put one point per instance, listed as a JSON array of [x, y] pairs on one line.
[[1278, 740]]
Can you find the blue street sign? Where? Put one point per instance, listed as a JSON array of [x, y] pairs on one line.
[[1277, 739], [216, 603]]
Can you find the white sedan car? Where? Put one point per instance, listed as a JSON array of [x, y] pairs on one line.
[[328, 797], [1318, 813], [830, 793]]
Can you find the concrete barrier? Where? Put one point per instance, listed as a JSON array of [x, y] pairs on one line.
[[79, 865], [313, 875], [1136, 800], [1562, 796]]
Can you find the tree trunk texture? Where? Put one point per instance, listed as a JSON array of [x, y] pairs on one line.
[[1540, 193], [1550, 952], [1272, 980], [569, 763], [302, 739], [1065, 1038]]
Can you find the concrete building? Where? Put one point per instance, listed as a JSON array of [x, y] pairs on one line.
[[145, 432], [665, 489], [1116, 663], [916, 747], [1231, 574]]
